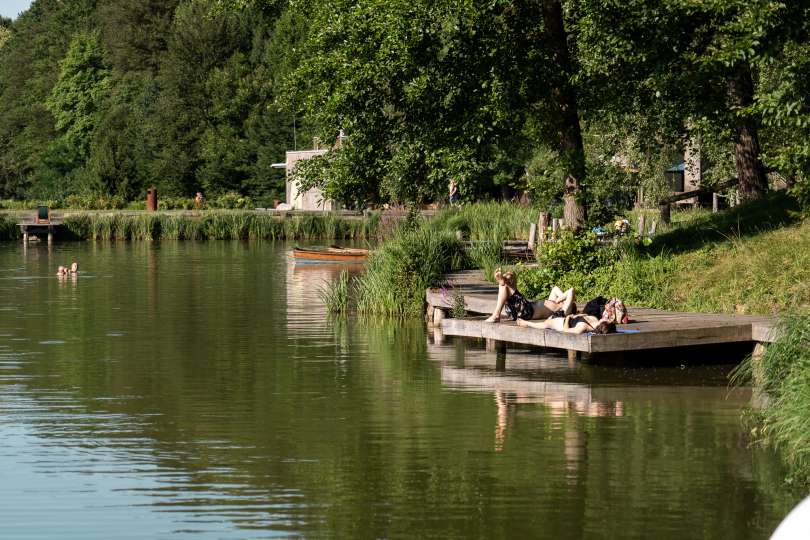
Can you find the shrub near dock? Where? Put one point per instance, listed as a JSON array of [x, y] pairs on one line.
[[399, 272]]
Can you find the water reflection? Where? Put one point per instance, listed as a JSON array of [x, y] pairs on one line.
[[200, 390]]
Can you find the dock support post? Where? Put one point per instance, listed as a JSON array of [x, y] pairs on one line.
[[438, 316], [429, 314], [495, 345], [758, 398], [574, 357], [25, 237], [500, 360], [50, 235], [438, 336]]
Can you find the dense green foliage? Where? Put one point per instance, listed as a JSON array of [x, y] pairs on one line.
[[108, 97], [584, 102]]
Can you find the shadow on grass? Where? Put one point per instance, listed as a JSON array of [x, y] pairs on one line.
[[772, 211]]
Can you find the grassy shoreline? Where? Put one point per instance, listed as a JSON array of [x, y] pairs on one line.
[[205, 225]]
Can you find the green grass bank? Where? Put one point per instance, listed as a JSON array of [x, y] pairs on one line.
[[207, 225]]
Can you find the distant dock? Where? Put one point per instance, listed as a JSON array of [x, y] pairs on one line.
[[649, 329], [34, 227]]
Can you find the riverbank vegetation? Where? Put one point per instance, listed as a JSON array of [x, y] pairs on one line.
[[208, 225], [782, 375]]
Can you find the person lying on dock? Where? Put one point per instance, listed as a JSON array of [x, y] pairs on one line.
[[558, 304], [573, 324]]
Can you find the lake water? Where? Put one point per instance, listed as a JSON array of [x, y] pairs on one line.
[[199, 390]]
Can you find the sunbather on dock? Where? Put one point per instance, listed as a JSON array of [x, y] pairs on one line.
[[573, 324], [559, 303]]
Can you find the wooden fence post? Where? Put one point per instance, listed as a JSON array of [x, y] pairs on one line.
[[641, 220], [532, 234], [554, 225], [542, 224], [715, 203], [665, 217], [652, 227]]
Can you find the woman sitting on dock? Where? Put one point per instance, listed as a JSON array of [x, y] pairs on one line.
[[573, 324], [559, 303]]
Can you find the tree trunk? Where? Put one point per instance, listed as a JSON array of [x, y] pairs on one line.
[[750, 170], [569, 133]]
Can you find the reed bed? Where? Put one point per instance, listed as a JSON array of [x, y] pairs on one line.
[[399, 272], [8, 228], [488, 221], [335, 294], [223, 225]]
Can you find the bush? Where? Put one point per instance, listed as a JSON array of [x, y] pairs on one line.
[[175, 203], [94, 202], [574, 260], [231, 201], [11, 204]]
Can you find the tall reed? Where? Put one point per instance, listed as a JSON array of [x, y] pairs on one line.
[[335, 294], [8, 228], [217, 225], [399, 272], [782, 373]]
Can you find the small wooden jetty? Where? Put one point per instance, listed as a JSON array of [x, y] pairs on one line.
[[43, 222], [649, 329]]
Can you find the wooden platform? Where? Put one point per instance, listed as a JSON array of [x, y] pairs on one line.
[[29, 227], [648, 329]]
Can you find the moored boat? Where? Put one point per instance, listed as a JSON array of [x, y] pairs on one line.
[[330, 254]]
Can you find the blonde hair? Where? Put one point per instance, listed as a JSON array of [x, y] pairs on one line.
[[510, 279]]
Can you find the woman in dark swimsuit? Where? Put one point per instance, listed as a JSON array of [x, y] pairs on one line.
[[573, 324], [559, 303]]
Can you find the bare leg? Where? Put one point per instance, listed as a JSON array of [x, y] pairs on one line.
[[564, 301], [503, 296], [542, 325], [556, 294], [568, 301]]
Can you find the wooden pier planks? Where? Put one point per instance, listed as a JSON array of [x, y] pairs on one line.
[[649, 328]]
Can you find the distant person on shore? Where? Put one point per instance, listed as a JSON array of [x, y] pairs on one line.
[[198, 200], [573, 324], [559, 303], [454, 194]]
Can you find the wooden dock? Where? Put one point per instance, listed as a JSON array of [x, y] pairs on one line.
[[33, 227], [649, 328]]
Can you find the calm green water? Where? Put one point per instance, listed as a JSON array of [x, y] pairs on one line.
[[198, 390]]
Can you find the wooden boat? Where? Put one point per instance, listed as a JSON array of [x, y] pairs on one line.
[[330, 254]]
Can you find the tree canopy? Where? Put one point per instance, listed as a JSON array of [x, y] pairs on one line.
[[576, 103]]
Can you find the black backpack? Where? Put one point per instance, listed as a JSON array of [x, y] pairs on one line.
[[595, 307]]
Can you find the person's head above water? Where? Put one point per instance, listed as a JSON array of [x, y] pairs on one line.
[[74, 267]]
